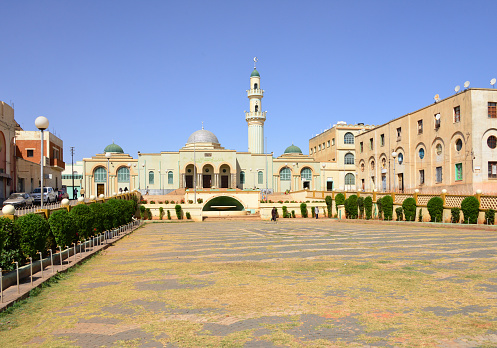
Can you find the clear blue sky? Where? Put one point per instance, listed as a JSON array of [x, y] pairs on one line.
[[147, 73]]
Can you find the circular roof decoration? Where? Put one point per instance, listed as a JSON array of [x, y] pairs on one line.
[[202, 136], [114, 148], [255, 73], [293, 149]]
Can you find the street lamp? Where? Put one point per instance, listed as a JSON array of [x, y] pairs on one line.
[[41, 123], [108, 155], [394, 155]]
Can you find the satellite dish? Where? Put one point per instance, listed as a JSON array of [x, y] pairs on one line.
[[436, 97], [466, 84], [457, 88], [492, 81], [437, 117]]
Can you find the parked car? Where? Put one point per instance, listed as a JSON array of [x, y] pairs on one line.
[[49, 195], [21, 199]]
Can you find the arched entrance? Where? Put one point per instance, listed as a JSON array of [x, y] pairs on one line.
[[225, 176], [189, 173], [207, 176], [223, 203]]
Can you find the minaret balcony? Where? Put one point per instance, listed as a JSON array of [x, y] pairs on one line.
[[255, 92], [255, 115]]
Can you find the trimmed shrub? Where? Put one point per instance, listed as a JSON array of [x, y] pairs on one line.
[[339, 200], [368, 207], [329, 203], [398, 212], [387, 206], [143, 212], [100, 219], [179, 212], [167, 201], [489, 216], [149, 214], [470, 207], [435, 209], [409, 208], [350, 205], [188, 216], [83, 220], [34, 231], [303, 210], [63, 227], [200, 200], [380, 208], [420, 215], [360, 205], [161, 213], [313, 213], [293, 214], [11, 250], [455, 215], [285, 211], [168, 215]]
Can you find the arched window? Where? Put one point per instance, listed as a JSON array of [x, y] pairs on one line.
[[285, 174], [348, 138], [256, 108], [260, 178], [151, 177], [372, 166], [256, 86], [349, 179], [349, 158], [123, 174], [170, 178], [421, 153], [306, 174], [401, 158], [242, 177], [100, 174]]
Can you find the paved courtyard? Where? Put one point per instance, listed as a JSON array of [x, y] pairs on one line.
[[297, 283]]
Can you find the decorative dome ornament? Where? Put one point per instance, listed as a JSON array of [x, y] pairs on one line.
[[113, 148], [202, 136], [293, 149]]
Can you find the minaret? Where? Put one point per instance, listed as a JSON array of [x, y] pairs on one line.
[[255, 117]]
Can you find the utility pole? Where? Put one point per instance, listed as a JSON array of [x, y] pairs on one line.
[[72, 170]]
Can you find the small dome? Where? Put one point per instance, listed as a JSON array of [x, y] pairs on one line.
[[114, 148], [255, 73], [293, 149], [202, 136]]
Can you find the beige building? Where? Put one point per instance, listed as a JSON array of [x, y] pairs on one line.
[[450, 144], [335, 149]]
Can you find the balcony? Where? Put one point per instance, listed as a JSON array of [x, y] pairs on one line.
[[255, 92], [54, 162], [255, 115]]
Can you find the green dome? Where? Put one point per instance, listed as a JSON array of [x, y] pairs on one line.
[[255, 73], [113, 148], [293, 149]]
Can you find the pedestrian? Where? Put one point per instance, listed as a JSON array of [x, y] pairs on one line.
[[274, 214], [316, 211], [75, 193], [82, 192], [126, 189], [120, 190]]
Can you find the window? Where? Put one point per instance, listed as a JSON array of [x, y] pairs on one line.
[[383, 163], [371, 143], [492, 142], [256, 108], [319, 147], [170, 178], [420, 126], [457, 114], [349, 158], [372, 166], [421, 176], [458, 171], [256, 86], [328, 144], [382, 139], [242, 177], [348, 138], [323, 146], [399, 133], [310, 151], [349, 179], [151, 177], [260, 178], [492, 170], [30, 153], [361, 146], [333, 142], [401, 158], [458, 144], [438, 174], [492, 110], [123, 174], [362, 167], [315, 149], [100, 174], [437, 121], [55, 153], [306, 174], [438, 149], [421, 153], [285, 174]]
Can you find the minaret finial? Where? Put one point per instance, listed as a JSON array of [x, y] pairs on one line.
[[255, 61], [202, 124]]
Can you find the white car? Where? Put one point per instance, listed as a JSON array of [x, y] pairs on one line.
[[49, 195]]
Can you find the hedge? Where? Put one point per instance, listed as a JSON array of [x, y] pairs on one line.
[[34, 231], [435, 209], [303, 210], [84, 221], [339, 200], [329, 203], [470, 207], [351, 207], [387, 206], [63, 227], [368, 206], [409, 208]]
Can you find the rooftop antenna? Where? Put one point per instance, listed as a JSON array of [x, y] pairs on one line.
[[492, 82], [466, 84], [437, 98], [457, 88]]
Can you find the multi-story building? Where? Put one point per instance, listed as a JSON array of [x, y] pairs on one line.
[[72, 179], [8, 127], [335, 149], [451, 144]]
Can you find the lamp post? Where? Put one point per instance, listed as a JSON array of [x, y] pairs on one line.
[[129, 175], [394, 155], [41, 123], [107, 155]]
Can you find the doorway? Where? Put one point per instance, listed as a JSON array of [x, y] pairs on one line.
[[206, 180], [189, 181], [100, 189], [384, 182], [306, 185], [401, 182], [224, 181]]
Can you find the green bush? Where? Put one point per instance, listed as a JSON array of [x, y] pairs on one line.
[[83, 220], [350, 206], [149, 214], [456, 215], [161, 213], [63, 227], [409, 208], [470, 207], [11, 250], [380, 208], [285, 212], [360, 205], [329, 203], [368, 207], [420, 215], [293, 214], [143, 212], [179, 212], [489, 216], [339, 200], [387, 206], [435, 209], [303, 210], [168, 215], [399, 213], [188, 216], [34, 230]]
